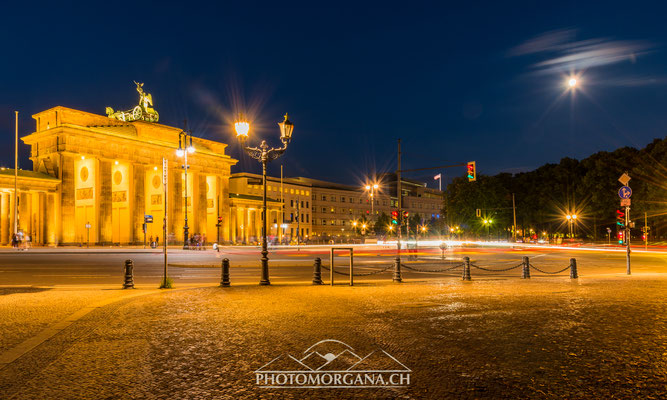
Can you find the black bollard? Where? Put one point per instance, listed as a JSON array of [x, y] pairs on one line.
[[129, 278], [317, 271], [573, 269], [224, 281], [466, 269], [526, 268], [397, 270]]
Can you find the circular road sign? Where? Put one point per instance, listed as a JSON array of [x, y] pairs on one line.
[[625, 192]]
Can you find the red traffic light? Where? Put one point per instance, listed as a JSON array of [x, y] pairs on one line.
[[620, 214], [405, 214], [394, 214], [472, 171]]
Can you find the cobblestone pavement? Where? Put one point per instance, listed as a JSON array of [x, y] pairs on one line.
[[549, 338]]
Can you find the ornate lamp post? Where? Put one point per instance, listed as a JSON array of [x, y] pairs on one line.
[[264, 154], [371, 189], [184, 148]]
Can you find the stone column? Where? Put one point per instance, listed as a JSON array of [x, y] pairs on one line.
[[176, 204], [41, 218], [232, 225], [103, 193], [138, 200], [201, 207], [4, 218], [67, 200], [25, 214], [246, 225]]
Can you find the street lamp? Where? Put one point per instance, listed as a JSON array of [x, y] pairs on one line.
[[371, 189], [488, 222], [264, 154], [184, 148], [571, 219]]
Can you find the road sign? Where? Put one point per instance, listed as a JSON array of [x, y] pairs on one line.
[[625, 202], [625, 192], [165, 172], [624, 179], [148, 219], [88, 226], [608, 230]]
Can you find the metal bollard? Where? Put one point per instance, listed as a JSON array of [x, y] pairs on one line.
[[224, 280], [526, 268], [466, 269], [317, 271], [397, 270], [129, 278], [573, 269]]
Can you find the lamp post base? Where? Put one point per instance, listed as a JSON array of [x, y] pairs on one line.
[[265, 269]]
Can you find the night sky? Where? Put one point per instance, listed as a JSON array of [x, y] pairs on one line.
[[463, 81]]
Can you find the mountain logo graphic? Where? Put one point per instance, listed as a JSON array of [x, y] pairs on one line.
[[333, 364]]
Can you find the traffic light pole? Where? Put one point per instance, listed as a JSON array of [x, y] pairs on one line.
[[400, 202], [627, 239]]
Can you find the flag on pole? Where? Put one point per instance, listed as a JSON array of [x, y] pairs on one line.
[[439, 176]]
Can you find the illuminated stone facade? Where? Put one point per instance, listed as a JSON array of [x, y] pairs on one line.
[[94, 171]]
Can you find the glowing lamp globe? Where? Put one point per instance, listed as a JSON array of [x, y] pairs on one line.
[[242, 128], [286, 128]]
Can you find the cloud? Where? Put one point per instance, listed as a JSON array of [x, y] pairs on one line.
[[547, 41], [564, 54]]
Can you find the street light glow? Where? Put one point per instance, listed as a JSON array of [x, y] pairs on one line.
[[242, 128], [368, 187], [572, 82]]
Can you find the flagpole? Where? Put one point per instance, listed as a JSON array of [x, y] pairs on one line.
[[16, 174]]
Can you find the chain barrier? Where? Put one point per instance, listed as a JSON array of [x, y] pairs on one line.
[[550, 273], [431, 270], [495, 270], [362, 274]]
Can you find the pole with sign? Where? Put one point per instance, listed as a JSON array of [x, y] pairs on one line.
[[625, 193], [165, 183], [88, 226]]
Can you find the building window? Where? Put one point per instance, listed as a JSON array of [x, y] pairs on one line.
[[342, 199], [351, 200], [307, 205], [333, 198], [324, 210], [301, 203], [291, 217], [324, 222], [361, 201], [333, 210], [291, 203], [307, 233], [302, 216], [291, 231], [324, 198], [333, 222], [307, 218]]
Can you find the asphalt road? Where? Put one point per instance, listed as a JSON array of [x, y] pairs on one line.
[[45, 267]]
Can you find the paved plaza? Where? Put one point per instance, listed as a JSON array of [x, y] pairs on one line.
[[497, 336]]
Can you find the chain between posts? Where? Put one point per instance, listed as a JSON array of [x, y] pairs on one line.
[[431, 270], [496, 270], [550, 273], [363, 274]]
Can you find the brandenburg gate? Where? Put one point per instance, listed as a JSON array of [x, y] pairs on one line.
[[95, 177]]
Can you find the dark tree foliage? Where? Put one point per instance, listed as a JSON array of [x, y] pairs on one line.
[[588, 188]]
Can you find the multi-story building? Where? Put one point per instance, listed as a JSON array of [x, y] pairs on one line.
[[295, 220], [336, 207]]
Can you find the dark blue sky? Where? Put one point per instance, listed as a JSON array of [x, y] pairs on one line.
[[462, 81]]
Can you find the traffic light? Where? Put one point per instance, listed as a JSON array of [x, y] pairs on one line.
[[472, 171], [620, 237], [620, 218], [394, 217], [405, 214]]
